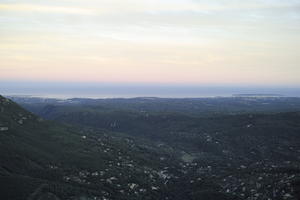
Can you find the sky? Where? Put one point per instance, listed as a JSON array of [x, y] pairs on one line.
[[196, 42]]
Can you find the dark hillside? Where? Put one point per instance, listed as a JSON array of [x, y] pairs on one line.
[[101, 152], [42, 160]]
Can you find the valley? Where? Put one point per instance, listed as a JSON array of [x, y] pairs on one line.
[[150, 148]]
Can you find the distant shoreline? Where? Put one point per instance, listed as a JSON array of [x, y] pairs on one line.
[[66, 97], [258, 95]]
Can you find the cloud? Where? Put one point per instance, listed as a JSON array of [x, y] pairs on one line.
[[99, 7], [43, 8], [140, 39]]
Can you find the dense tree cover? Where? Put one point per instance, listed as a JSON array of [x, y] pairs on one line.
[[195, 106], [150, 148]]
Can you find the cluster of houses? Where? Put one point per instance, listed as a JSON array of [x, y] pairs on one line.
[[264, 185], [3, 128]]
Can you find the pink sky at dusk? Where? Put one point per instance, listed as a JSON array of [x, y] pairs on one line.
[[181, 41]]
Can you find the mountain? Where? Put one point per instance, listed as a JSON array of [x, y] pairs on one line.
[[269, 133], [44, 160], [124, 149], [189, 106]]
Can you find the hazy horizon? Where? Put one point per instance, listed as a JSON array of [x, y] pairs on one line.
[[130, 90]]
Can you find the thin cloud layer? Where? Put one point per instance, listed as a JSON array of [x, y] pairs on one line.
[[197, 41]]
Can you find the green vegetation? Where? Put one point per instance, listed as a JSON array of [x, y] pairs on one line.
[[148, 148]]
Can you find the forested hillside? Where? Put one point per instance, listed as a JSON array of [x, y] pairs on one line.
[[127, 149]]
